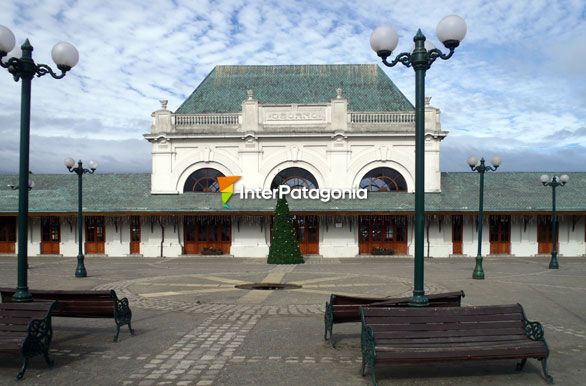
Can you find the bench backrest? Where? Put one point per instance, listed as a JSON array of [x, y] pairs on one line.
[[450, 299], [347, 308], [446, 299], [81, 304], [435, 322]]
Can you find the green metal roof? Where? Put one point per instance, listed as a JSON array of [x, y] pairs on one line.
[[366, 87], [130, 193]]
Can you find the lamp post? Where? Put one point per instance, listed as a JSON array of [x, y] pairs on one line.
[[554, 183], [481, 168], [23, 68], [383, 40], [80, 171]]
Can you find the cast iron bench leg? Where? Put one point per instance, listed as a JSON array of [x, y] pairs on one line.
[[328, 320], [49, 361], [22, 369], [521, 364], [117, 332], [548, 377]]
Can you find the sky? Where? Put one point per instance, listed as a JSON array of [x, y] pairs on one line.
[[516, 86]]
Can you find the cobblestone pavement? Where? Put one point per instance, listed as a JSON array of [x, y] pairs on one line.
[[195, 328]]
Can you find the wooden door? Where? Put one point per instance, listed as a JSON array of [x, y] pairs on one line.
[[207, 236], [50, 235], [500, 235], [8, 234], [457, 231], [307, 233], [135, 235], [386, 234], [95, 235], [544, 234]]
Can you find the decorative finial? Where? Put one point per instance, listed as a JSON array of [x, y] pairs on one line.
[[427, 101], [250, 94], [164, 104], [339, 92]]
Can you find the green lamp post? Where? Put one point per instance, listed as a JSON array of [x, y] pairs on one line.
[[22, 67], [481, 168], [80, 270], [554, 183], [383, 40]]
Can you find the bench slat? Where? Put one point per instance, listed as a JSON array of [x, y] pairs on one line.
[[446, 327], [380, 333], [438, 318], [383, 341], [464, 353], [10, 347], [19, 326], [451, 346], [15, 314], [441, 311], [43, 306]]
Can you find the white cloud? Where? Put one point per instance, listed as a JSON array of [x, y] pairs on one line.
[[516, 79]]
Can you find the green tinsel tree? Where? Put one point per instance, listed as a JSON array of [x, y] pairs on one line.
[[284, 247]]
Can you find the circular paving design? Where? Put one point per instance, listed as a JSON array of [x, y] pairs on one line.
[[221, 288]]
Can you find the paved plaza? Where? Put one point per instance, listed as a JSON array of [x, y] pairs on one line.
[[193, 327]]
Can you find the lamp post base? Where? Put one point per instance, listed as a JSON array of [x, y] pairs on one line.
[[21, 295], [553, 263], [80, 270], [478, 273], [419, 300]]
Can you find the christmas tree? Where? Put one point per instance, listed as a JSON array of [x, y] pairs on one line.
[[284, 247]]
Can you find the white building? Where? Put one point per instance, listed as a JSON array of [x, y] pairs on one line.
[[312, 126]]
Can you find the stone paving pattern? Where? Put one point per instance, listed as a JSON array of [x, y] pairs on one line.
[[194, 328]]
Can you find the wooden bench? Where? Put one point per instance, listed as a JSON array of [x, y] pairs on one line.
[[346, 309], [420, 335], [84, 304], [25, 331]]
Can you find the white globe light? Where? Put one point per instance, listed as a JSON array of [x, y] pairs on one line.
[[472, 161], [496, 161], [69, 162], [65, 54], [31, 183], [564, 178], [93, 165], [451, 29], [384, 38], [15, 53], [7, 39], [544, 178]]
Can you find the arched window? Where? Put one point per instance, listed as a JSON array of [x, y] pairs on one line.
[[383, 180], [203, 180], [296, 178]]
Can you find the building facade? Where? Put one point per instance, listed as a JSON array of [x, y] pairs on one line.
[[344, 127]]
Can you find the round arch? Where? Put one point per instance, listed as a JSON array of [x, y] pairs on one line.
[[404, 172], [295, 177], [383, 179], [187, 172], [270, 176], [204, 180]]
